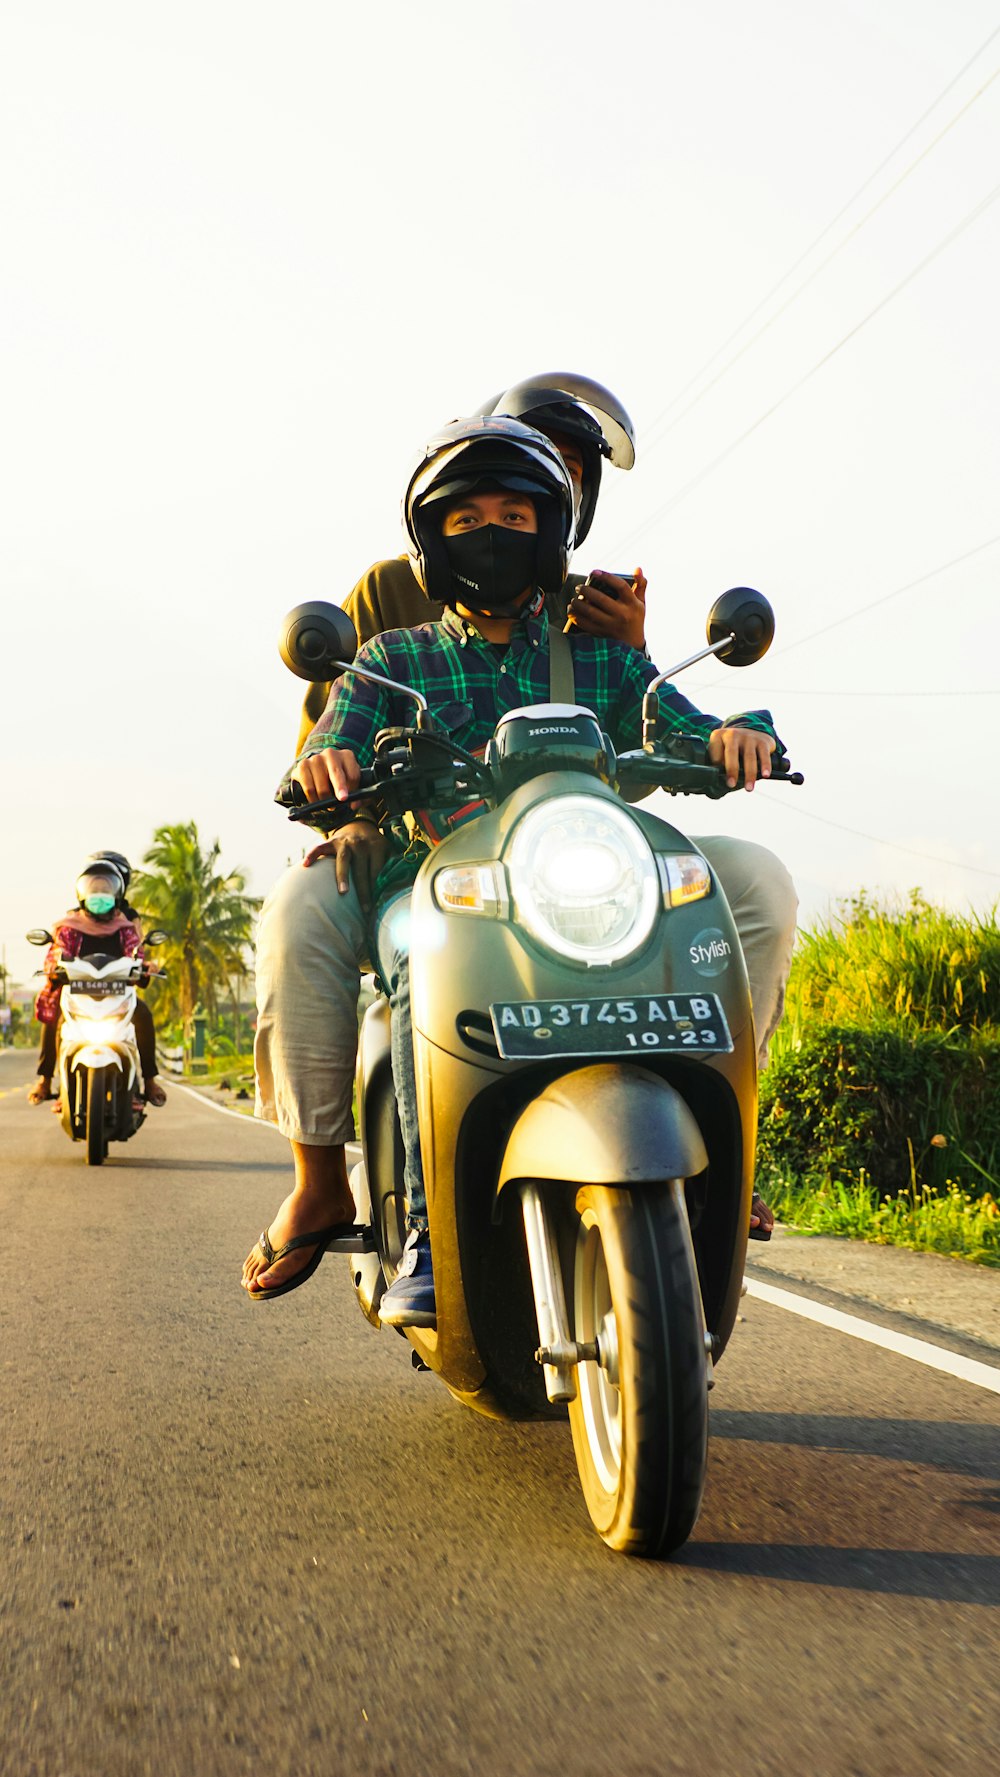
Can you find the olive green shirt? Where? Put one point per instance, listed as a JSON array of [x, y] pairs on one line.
[[388, 597]]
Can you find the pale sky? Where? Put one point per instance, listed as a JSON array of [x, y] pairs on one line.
[[252, 256]]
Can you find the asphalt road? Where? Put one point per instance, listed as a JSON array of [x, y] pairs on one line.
[[242, 1539]]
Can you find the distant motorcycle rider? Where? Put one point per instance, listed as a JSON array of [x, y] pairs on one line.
[[101, 923]]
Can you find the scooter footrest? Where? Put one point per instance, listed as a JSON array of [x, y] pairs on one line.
[[361, 1241]]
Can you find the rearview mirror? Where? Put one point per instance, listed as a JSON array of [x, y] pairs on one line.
[[317, 641], [746, 615], [38, 935], [155, 938]]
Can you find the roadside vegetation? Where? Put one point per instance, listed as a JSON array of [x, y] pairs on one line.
[[208, 918], [880, 1112]]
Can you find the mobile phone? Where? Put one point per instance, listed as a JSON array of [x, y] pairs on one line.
[[598, 579]]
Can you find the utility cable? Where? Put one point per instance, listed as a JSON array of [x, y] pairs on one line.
[[821, 237], [883, 599], [876, 839], [810, 691], [696, 480], [651, 444]]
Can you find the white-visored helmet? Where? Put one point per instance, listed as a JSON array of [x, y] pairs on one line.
[[462, 456], [564, 404]]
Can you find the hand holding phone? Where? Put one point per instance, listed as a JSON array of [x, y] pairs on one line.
[[611, 605]]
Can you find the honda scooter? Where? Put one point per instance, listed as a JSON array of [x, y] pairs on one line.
[[586, 1077]]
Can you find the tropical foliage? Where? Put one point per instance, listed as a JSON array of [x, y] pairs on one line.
[[208, 917]]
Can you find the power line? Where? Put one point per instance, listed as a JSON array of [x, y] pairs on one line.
[[809, 691], [928, 259], [897, 592], [876, 839], [831, 225], [883, 599], [797, 292]]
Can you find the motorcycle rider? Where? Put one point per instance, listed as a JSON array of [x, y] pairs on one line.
[[102, 923], [588, 426], [490, 517]]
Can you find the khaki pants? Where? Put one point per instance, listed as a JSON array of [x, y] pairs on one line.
[[313, 940]]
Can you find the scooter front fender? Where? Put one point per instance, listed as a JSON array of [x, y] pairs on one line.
[[605, 1124], [102, 1055]]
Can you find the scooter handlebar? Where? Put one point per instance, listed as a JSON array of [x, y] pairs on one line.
[[692, 776]]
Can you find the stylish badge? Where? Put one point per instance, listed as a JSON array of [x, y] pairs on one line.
[[710, 952]]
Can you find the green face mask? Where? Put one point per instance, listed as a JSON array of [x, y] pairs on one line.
[[98, 904]]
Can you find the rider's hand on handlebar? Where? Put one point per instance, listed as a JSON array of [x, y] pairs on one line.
[[609, 605], [742, 749], [334, 772], [359, 848]]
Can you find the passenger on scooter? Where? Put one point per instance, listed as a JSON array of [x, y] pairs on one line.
[[490, 517], [102, 923], [588, 426]]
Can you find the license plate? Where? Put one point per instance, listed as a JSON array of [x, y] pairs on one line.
[[646, 1024]]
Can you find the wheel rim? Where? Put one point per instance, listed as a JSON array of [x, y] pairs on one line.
[[599, 1395]]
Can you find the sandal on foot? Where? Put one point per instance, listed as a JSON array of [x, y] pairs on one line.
[[155, 1094], [340, 1237], [37, 1096]]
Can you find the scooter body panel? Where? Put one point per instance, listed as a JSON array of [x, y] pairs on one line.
[[480, 1114]]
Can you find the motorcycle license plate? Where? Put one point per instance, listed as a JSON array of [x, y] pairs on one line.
[[645, 1024]]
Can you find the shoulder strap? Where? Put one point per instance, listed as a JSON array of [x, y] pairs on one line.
[[562, 679]]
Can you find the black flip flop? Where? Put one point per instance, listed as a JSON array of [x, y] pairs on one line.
[[760, 1232], [340, 1237]]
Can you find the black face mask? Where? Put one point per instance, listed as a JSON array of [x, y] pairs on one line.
[[491, 567]]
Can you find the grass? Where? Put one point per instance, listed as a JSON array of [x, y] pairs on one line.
[[949, 1221]]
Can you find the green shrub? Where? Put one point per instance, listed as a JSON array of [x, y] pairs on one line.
[[908, 1110]]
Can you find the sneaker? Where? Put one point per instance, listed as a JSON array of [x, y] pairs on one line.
[[409, 1300]]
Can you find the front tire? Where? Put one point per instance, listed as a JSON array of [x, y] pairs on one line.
[[640, 1417], [97, 1092]]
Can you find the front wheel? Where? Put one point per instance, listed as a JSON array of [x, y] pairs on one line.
[[640, 1417], [97, 1093]]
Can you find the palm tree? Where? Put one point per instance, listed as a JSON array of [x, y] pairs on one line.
[[208, 917]]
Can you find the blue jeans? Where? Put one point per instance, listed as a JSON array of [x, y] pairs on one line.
[[392, 954]]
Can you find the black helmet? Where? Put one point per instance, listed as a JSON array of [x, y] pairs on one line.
[[117, 858], [493, 449], [101, 881], [581, 409]]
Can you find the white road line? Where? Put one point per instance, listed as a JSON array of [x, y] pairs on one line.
[[937, 1357], [256, 1122], [223, 1109]]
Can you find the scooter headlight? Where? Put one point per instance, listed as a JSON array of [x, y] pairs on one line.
[[584, 880], [98, 1009], [103, 1030]]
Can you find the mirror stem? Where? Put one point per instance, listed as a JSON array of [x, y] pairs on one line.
[[650, 703]]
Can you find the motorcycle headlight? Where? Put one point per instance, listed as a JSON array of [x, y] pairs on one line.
[[584, 880], [104, 1030], [100, 1008]]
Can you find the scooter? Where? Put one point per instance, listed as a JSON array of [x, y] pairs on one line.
[[100, 1077], [586, 1075]]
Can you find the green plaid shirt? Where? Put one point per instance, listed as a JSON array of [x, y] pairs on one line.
[[470, 683]]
